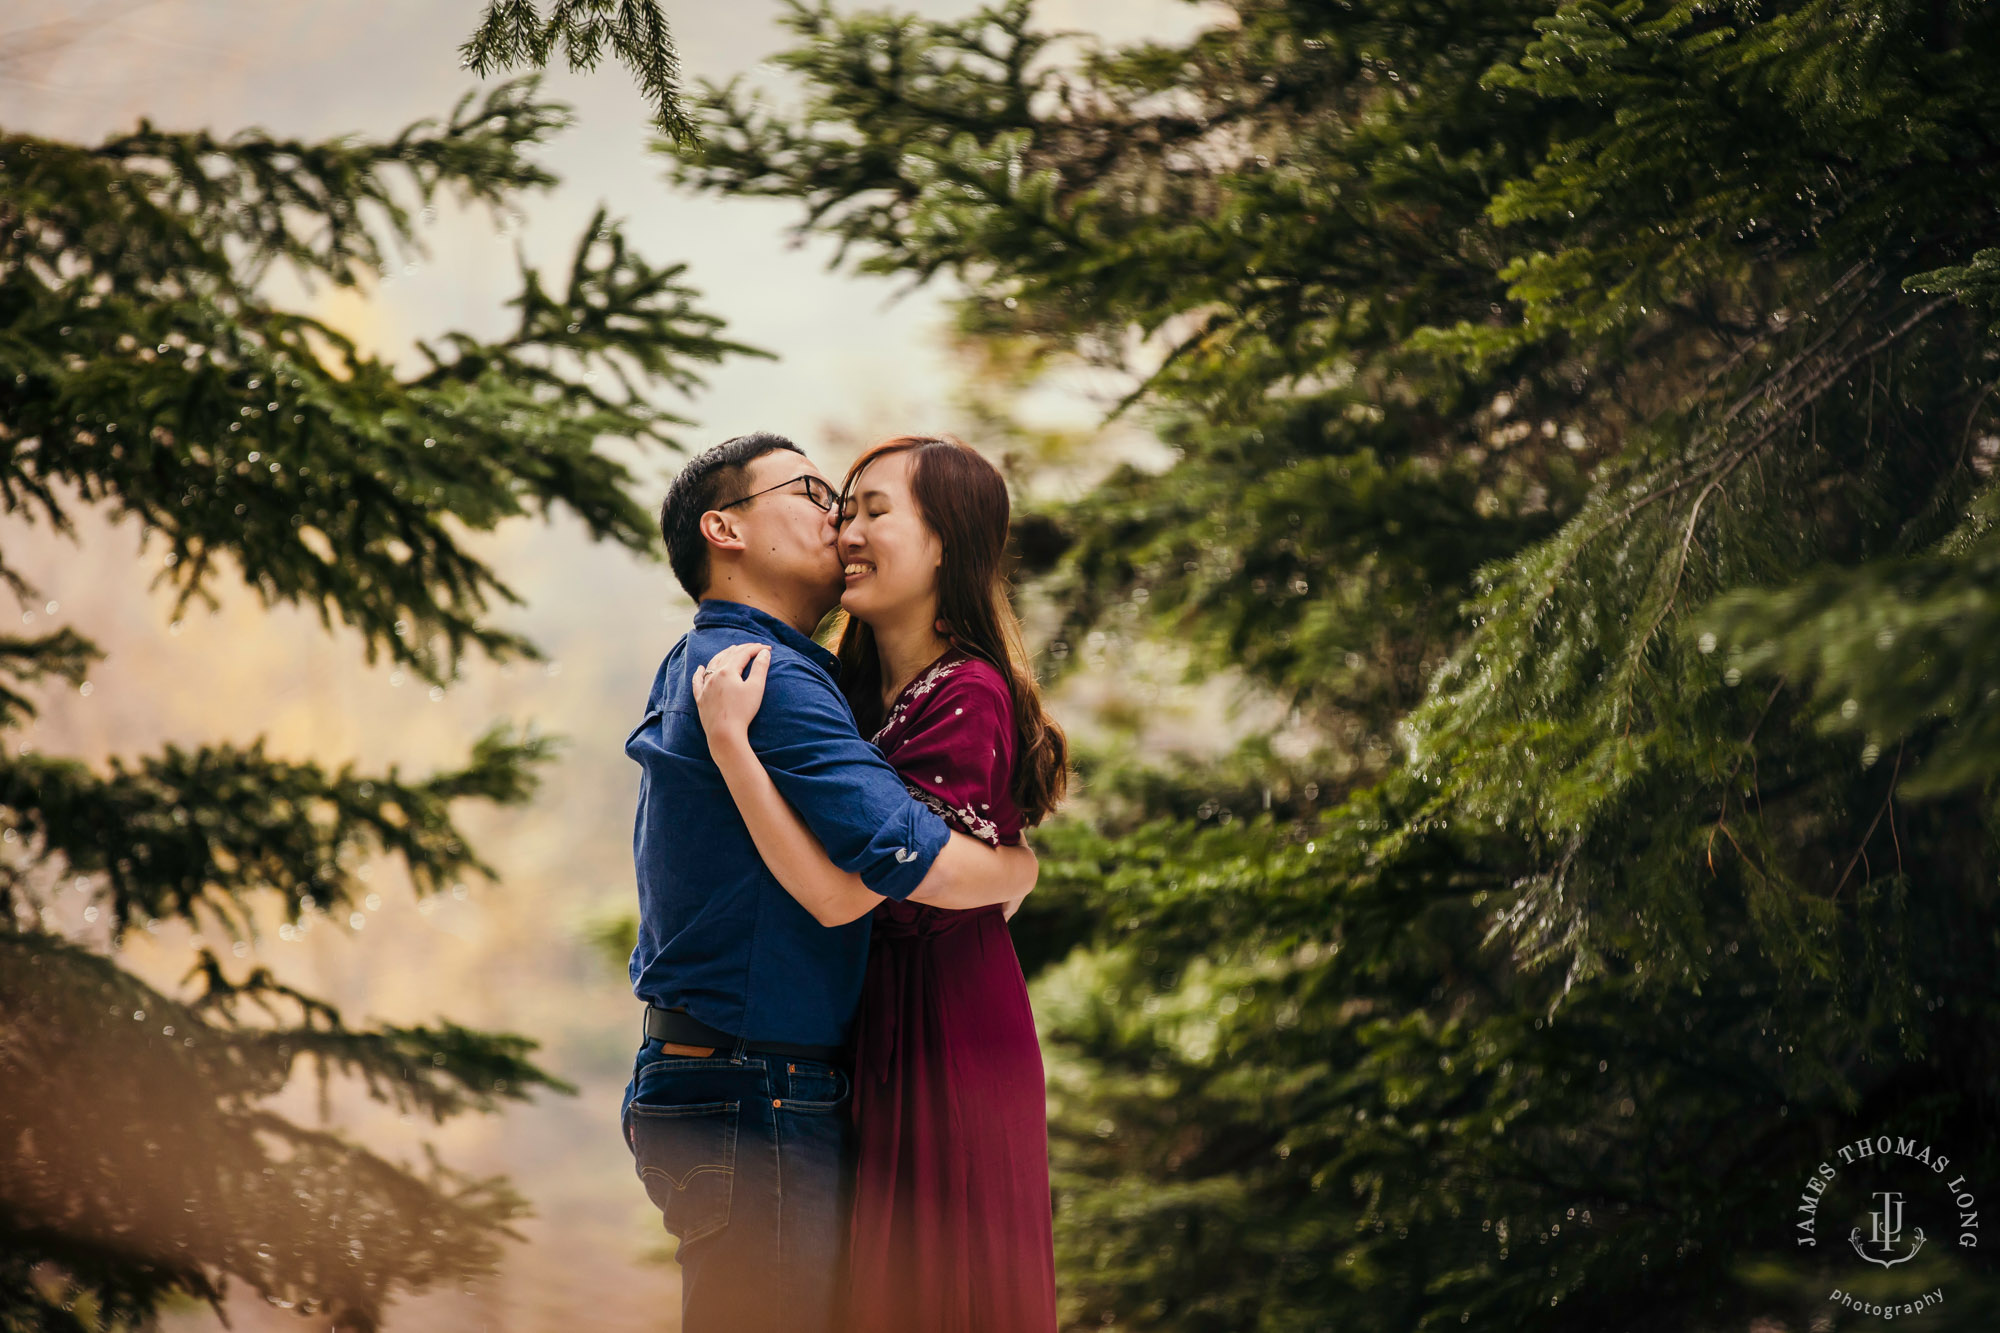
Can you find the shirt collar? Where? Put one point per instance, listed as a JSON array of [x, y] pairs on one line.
[[719, 611]]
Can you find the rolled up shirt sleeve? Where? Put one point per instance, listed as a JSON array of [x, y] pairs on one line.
[[842, 787]]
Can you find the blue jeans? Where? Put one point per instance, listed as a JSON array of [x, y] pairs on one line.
[[749, 1157]]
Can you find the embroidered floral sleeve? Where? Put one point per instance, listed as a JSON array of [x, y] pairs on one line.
[[951, 736]]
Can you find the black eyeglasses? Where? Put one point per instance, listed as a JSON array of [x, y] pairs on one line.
[[818, 489]]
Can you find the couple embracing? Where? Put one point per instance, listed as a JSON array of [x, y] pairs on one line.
[[838, 1106]]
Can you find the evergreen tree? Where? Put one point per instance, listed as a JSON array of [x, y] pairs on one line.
[[1583, 414], [143, 373]]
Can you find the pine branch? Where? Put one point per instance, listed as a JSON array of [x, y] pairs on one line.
[[511, 34], [325, 208], [147, 376], [204, 834], [304, 1217], [63, 654]]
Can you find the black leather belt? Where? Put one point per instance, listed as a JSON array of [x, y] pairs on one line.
[[683, 1028]]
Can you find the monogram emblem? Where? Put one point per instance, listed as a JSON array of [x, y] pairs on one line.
[[1885, 1228]]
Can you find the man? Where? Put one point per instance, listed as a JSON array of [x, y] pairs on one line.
[[737, 1113]]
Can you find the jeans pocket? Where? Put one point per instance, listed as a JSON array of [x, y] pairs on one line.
[[818, 1088], [686, 1157]]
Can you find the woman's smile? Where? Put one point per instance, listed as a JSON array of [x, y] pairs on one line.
[[858, 569]]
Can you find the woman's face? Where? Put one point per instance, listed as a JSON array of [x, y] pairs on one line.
[[889, 555]]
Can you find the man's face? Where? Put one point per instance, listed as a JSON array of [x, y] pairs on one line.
[[787, 539]]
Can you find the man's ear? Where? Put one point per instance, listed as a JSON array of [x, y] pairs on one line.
[[719, 529]]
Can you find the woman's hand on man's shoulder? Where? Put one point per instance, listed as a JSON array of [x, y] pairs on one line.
[[729, 689]]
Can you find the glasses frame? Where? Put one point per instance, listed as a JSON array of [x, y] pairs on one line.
[[811, 480]]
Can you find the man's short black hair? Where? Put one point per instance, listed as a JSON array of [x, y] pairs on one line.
[[710, 480]]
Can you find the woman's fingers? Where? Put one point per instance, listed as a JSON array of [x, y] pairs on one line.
[[703, 677], [760, 666], [733, 659], [727, 702], [736, 654], [729, 672], [719, 686]]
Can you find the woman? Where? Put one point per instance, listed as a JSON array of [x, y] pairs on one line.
[[950, 1228]]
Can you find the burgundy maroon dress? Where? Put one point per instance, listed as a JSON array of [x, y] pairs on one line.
[[951, 1225]]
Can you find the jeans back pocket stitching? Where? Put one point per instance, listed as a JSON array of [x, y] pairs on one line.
[[681, 1182], [730, 1134]]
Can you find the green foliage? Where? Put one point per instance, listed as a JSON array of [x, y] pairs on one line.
[[144, 374], [1583, 413], [1893, 651], [145, 370], [511, 34], [149, 1163]]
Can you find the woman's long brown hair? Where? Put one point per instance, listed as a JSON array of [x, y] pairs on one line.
[[963, 498]]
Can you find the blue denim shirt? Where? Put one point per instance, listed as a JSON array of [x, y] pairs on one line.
[[718, 935]]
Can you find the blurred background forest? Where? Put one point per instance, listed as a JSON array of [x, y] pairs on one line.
[[1505, 502]]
